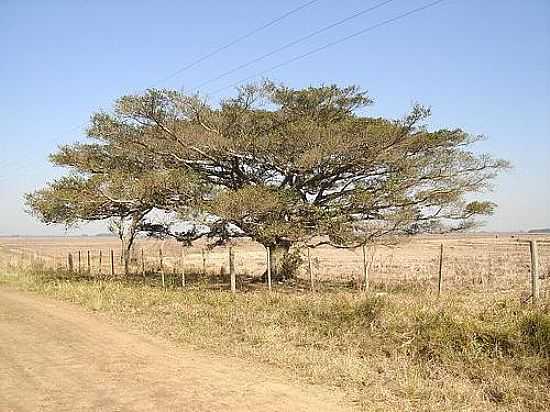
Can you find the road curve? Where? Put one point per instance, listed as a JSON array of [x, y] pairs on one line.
[[56, 357]]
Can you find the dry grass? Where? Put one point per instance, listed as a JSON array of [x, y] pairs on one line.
[[471, 262], [405, 350]]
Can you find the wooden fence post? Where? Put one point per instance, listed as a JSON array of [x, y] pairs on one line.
[[142, 264], [182, 276], [89, 262], [100, 262], [232, 271], [70, 264], [440, 277], [162, 269], [310, 272], [182, 265], [269, 268], [365, 269], [535, 290], [112, 262], [203, 254], [79, 264]]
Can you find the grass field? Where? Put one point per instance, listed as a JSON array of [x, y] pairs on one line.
[[399, 347], [473, 262], [404, 350]]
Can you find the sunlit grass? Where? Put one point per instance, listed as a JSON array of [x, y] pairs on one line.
[[396, 351]]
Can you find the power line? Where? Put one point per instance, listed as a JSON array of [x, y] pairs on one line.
[[233, 42], [221, 48], [325, 46], [294, 42], [309, 53], [331, 44]]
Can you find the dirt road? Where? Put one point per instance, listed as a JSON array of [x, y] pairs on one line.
[[56, 357]]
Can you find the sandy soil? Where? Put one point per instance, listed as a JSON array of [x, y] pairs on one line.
[[57, 357]]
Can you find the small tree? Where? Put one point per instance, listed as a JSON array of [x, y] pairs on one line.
[[126, 229], [123, 199]]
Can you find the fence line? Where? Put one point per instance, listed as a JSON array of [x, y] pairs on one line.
[[484, 266]]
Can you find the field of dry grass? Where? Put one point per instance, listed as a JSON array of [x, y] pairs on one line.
[[474, 261], [404, 350], [400, 347]]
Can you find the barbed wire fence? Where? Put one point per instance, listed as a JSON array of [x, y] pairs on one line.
[[503, 265]]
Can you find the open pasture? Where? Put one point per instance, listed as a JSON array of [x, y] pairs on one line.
[[477, 346], [482, 262]]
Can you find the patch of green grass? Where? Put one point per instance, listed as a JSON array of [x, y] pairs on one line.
[[535, 329]]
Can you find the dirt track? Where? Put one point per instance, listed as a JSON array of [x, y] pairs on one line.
[[56, 357]]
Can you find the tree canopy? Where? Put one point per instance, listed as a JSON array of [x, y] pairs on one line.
[[123, 198], [282, 165]]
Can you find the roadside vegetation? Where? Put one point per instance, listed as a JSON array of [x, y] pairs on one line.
[[405, 350]]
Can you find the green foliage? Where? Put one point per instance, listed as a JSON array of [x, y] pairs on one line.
[[113, 193], [284, 165], [437, 333], [440, 336], [261, 211], [107, 187], [535, 328], [290, 263], [332, 317]]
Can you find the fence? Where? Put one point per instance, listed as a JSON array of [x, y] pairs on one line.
[[437, 263]]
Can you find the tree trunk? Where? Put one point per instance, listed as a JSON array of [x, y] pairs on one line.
[[126, 255], [283, 263], [130, 236]]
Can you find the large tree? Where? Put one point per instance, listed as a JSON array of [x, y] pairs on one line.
[[285, 165]]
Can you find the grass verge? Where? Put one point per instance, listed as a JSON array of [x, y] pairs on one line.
[[401, 351]]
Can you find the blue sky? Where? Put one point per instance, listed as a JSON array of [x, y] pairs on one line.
[[483, 66]]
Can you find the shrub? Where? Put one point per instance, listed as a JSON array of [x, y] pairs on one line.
[[535, 330]]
